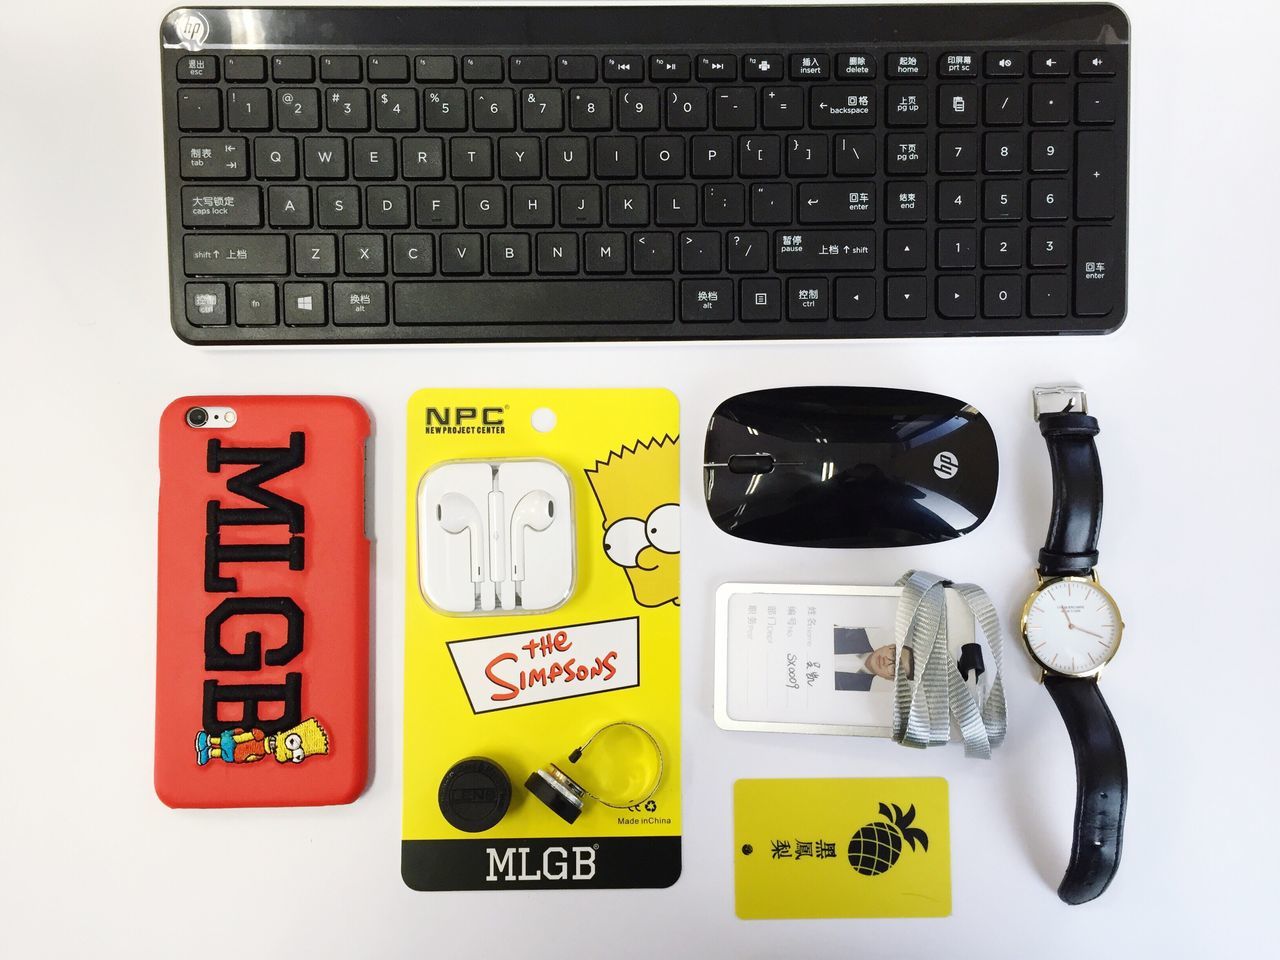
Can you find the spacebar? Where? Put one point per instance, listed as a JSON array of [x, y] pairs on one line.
[[535, 301]]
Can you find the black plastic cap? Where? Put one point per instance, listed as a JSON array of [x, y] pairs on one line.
[[475, 794]]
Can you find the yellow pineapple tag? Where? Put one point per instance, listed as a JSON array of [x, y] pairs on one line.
[[808, 849]]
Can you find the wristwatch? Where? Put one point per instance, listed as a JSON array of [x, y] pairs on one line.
[[1071, 627]]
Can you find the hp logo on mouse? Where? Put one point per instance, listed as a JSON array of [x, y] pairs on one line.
[[192, 29], [946, 465]]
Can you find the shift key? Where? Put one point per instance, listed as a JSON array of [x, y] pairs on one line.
[[1097, 271], [235, 254], [825, 251]]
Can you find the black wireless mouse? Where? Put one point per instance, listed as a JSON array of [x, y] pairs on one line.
[[848, 467]]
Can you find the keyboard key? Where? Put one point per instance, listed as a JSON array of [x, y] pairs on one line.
[[905, 249], [347, 108], [957, 297], [297, 108], [748, 252], [199, 109], [906, 202], [847, 202], [1002, 247], [360, 304], [724, 204], [239, 254], [594, 302], [435, 69], [1002, 153], [558, 253], [315, 255], [957, 249], [807, 156], [478, 69], [412, 253], [810, 66], [1002, 200], [342, 69], [905, 298], [256, 305], [1003, 104], [623, 69], [1096, 63], [900, 65], [824, 251], [207, 304], [1049, 200], [957, 153], [1005, 64], [652, 253], [855, 298], [907, 105], [304, 304], [444, 108], [957, 65], [1050, 103], [1001, 296], [906, 155], [717, 68], [580, 206], [529, 69], [957, 201], [764, 67], [604, 252], [760, 300], [293, 68], [422, 158], [957, 105], [1097, 284], [519, 158], [735, 108], [854, 66], [771, 203], [1050, 63], [213, 158], [363, 253], [1050, 151], [221, 207], [289, 206], [1048, 296], [700, 252], [338, 206], [706, 301], [576, 69], [244, 68], [838, 106], [676, 204], [855, 155], [494, 109], [461, 253], [1049, 247], [687, 108], [638, 109], [324, 158], [509, 254], [388, 68], [203, 69], [1095, 175], [396, 109], [807, 298], [248, 109], [1095, 103], [675, 69], [541, 110]]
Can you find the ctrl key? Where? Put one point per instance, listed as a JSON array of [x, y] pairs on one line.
[[207, 304]]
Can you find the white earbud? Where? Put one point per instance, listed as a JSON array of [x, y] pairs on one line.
[[535, 511], [457, 514]]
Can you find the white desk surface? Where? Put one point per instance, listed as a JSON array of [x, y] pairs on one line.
[[91, 863]]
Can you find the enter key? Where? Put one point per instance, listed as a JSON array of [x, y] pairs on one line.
[[837, 203]]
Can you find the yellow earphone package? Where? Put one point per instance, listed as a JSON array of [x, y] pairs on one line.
[[542, 640]]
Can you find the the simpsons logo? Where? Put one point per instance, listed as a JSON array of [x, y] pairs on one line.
[[638, 489]]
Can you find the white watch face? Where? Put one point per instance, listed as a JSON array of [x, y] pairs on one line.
[[1072, 626]]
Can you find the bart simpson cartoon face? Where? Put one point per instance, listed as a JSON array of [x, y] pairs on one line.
[[638, 489], [305, 740]]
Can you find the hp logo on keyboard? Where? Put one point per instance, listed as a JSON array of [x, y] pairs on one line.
[[946, 465], [192, 29]]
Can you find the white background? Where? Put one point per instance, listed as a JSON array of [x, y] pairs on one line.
[[92, 864]]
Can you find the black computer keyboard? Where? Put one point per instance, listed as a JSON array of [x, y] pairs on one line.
[[594, 173]]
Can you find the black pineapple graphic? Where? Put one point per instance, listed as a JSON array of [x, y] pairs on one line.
[[877, 845]]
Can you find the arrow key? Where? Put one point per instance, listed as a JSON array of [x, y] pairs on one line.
[[904, 249], [905, 298], [957, 297], [855, 298]]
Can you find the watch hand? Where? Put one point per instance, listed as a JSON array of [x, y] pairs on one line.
[[1089, 632]]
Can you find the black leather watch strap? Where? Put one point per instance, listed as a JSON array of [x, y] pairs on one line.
[[1102, 786], [1071, 548]]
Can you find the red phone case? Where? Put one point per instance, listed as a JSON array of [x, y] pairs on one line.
[[262, 659]]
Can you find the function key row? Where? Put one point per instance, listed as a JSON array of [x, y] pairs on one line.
[[578, 68]]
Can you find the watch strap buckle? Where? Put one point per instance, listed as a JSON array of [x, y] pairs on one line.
[[1058, 398]]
